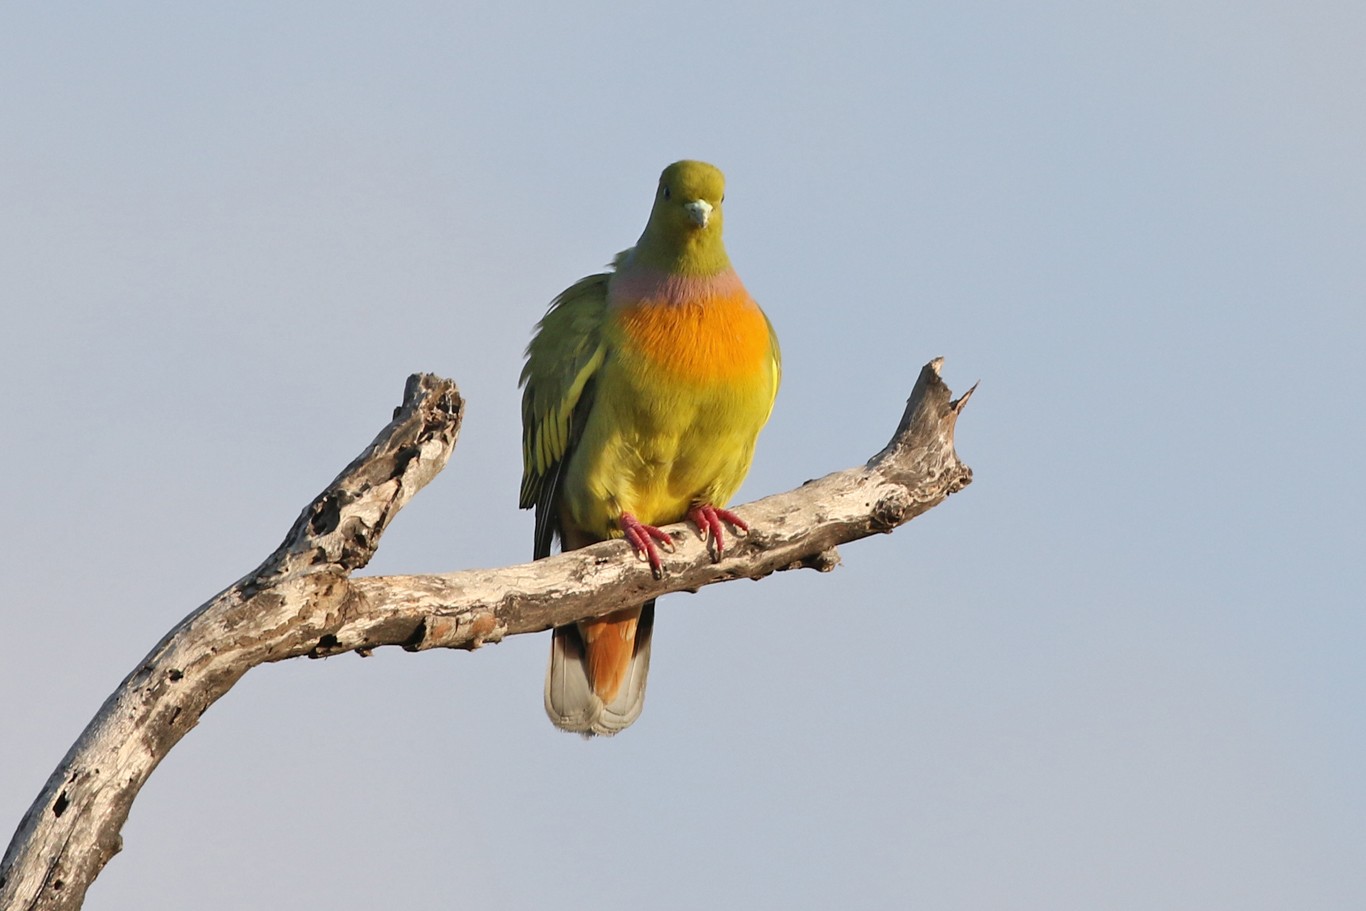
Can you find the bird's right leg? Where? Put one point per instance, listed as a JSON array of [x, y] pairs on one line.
[[643, 538]]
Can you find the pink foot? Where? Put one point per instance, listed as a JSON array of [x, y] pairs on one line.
[[708, 520], [643, 538]]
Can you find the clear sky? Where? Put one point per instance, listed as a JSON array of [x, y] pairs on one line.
[[1123, 670]]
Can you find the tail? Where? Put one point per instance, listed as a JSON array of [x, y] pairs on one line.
[[596, 680]]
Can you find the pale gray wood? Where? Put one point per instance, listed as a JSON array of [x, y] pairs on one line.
[[72, 829], [303, 601]]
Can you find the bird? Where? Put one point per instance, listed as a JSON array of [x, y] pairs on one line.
[[643, 394]]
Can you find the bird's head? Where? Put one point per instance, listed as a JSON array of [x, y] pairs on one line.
[[684, 231]]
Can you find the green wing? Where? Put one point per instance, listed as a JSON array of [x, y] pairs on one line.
[[562, 362], [776, 366]]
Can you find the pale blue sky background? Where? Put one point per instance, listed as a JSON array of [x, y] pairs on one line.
[[1123, 670]]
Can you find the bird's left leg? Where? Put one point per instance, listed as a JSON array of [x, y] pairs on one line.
[[708, 519]]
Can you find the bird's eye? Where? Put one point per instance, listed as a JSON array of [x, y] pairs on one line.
[[667, 194], [723, 197]]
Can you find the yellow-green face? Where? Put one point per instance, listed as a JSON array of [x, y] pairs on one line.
[[689, 199], [684, 231]]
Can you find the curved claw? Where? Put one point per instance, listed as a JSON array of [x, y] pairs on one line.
[[708, 519], [642, 538]]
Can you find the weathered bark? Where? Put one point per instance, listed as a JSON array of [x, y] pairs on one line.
[[303, 601]]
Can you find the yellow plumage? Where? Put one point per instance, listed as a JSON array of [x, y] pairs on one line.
[[644, 391]]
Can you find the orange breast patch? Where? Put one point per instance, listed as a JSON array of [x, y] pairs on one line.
[[716, 338]]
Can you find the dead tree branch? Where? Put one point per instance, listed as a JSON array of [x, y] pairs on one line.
[[303, 601]]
